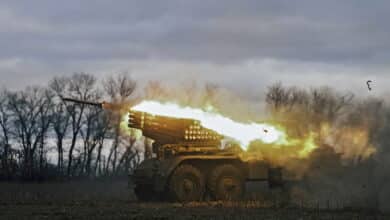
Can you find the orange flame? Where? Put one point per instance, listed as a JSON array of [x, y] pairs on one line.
[[244, 133]]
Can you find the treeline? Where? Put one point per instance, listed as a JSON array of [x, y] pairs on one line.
[[355, 127], [42, 137]]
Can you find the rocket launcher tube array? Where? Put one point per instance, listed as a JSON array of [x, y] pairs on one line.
[[169, 129]]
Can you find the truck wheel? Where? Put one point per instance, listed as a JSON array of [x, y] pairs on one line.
[[226, 183], [186, 184]]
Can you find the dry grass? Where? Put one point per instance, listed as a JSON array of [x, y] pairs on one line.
[[64, 192], [113, 200]]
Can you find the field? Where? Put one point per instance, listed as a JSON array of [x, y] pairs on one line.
[[113, 200]]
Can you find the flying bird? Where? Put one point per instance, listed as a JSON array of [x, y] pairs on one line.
[[368, 84]]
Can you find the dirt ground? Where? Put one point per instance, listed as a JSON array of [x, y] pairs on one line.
[[114, 200]]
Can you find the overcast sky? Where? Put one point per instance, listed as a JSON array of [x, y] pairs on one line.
[[242, 45]]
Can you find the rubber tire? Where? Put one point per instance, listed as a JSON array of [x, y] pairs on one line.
[[177, 187], [219, 190]]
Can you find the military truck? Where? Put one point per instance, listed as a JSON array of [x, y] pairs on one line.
[[189, 163]]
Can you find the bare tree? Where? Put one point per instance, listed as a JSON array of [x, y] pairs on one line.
[[45, 120], [277, 97], [303, 110], [81, 86], [102, 128], [119, 89], [60, 118], [327, 105], [29, 109], [129, 155], [5, 124], [93, 134]]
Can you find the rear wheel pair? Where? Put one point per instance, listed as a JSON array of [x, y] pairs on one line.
[[225, 182]]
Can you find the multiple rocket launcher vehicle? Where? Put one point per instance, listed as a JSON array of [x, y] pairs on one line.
[[189, 163]]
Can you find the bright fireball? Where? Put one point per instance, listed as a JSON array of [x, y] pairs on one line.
[[244, 133]]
